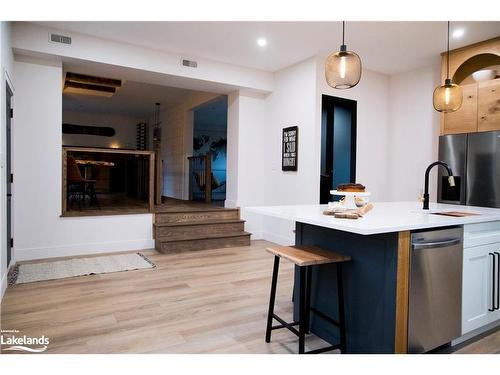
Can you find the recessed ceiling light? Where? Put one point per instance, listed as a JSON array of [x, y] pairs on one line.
[[262, 42], [458, 33]]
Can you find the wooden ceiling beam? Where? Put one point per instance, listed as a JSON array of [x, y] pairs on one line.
[[83, 78]]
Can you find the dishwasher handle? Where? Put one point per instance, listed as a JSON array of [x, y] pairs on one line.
[[435, 244]]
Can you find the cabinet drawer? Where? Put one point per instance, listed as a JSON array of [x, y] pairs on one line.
[[481, 234]]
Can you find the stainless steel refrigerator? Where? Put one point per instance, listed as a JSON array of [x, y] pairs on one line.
[[475, 161]]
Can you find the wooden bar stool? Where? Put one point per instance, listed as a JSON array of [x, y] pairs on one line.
[[305, 257]]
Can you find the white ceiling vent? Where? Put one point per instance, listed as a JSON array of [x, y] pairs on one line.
[[189, 63], [57, 38]]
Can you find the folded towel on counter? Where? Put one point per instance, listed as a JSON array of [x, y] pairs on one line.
[[349, 214]]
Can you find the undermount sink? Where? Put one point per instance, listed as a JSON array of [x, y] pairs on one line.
[[453, 213]]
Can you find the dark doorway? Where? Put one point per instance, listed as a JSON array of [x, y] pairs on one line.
[[8, 115], [209, 142], [338, 144]]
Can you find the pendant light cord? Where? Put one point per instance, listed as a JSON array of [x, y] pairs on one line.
[[448, 54], [343, 32]]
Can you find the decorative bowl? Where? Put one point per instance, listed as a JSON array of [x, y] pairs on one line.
[[484, 75]]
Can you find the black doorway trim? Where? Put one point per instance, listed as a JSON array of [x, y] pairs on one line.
[[328, 103]]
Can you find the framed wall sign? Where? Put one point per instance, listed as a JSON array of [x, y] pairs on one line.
[[289, 148]]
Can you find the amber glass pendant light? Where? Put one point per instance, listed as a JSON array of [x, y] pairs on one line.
[[343, 68], [447, 98]]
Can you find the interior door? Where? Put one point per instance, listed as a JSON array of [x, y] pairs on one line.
[[338, 144], [8, 138]]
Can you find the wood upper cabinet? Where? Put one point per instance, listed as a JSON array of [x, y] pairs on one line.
[[465, 119], [489, 105], [480, 110]]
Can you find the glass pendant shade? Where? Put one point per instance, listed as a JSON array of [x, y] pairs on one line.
[[447, 98], [343, 69]]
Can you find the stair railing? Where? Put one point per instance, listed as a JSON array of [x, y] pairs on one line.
[[200, 175]]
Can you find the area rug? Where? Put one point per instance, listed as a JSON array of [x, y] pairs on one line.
[[61, 269]]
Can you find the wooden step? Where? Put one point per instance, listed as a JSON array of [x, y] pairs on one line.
[[183, 216], [189, 207], [193, 230], [214, 241]]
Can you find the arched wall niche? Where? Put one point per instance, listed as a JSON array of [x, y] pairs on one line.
[[473, 64]]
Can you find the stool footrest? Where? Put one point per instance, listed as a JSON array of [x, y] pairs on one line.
[[322, 350], [287, 325], [290, 327], [305, 308]]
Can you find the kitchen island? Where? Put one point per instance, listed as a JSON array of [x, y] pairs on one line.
[[376, 281]]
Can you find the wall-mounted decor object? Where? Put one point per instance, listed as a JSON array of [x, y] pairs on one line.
[[343, 68], [209, 143], [157, 128], [157, 150], [103, 131], [142, 136], [448, 97], [289, 148]]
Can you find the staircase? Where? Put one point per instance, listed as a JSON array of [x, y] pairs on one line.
[[198, 227]]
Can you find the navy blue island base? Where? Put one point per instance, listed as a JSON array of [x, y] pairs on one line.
[[370, 288]]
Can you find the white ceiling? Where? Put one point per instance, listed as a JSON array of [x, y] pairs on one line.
[[386, 47], [135, 99]]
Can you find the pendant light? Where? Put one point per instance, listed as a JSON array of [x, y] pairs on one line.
[[447, 98], [343, 68]]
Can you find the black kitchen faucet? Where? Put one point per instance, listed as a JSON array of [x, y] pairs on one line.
[[451, 180]]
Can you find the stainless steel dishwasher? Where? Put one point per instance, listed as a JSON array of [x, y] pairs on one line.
[[435, 306]]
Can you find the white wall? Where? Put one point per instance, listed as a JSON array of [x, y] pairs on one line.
[[253, 159], [372, 144], [6, 74], [293, 102], [296, 100], [125, 128], [39, 231], [260, 178], [163, 68], [386, 117], [414, 132], [233, 129], [255, 126]]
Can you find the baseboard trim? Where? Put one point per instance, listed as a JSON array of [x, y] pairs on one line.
[[228, 203], [256, 236], [476, 332], [278, 239], [82, 249], [4, 282]]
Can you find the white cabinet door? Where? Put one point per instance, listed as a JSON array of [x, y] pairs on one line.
[[477, 284]]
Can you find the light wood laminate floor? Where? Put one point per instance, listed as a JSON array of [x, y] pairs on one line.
[[210, 301]]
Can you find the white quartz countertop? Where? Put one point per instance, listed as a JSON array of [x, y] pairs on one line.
[[384, 218]]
